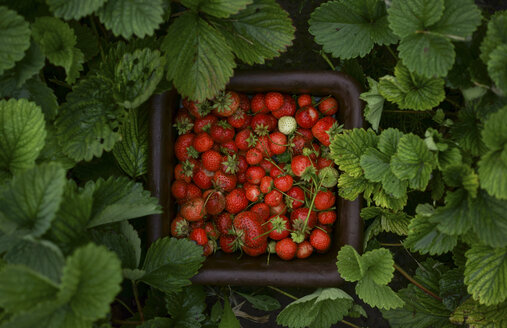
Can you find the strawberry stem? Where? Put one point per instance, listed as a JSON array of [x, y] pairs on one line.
[[284, 293], [417, 284]]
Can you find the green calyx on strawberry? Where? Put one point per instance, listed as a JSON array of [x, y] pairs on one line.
[[309, 174], [226, 103], [231, 164], [298, 236], [261, 130], [335, 130], [183, 126], [192, 153], [188, 168], [251, 140]]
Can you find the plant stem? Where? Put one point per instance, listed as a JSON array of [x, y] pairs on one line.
[[328, 61], [392, 52], [125, 306], [406, 111], [350, 324], [412, 280], [125, 322], [138, 304], [284, 293], [391, 245]]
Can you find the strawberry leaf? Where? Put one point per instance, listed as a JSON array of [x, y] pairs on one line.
[[496, 35], [374, 104], [350, 28], [380, 296], [497, 67], [217, 8], [74, 9], [474, 314], [14, 37], [187, 306]]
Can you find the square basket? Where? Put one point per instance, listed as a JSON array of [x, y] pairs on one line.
[[319, 270]]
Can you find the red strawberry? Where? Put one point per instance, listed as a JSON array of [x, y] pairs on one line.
[[306, 134], [255, 251], [320, 240], [211, 230], [328, 106], [226, 104], [283, 183], [205, 123], [274, 100], [254, 156], [262, 124], [193, 191], [279, 209], [306, 117], [224, 181], [244, 102], [252, 192], [314, 151], [238, 119], [197, 224], [304, 100], [261, 210], [199, 236], [183, 122], [277, 171], [288, 108], [305, 249], [193, 210], [242, 164], [210, 247], [323, 128], [254, 174], [223, 223], [266, 184], [229, 148], [325, 227], [300, 164], [278, 143], [180, 227], [242, 177], [245, 139], [273, 198], [202, 178], [297, 143], [300, 215], [327, 217], [266, 165], [297, 197], [221, 132], [236, 201], [211, 160], [215, 201], [184, 171], [196, 109], [249, 229], [279, 226], [263, 146], [179, 189], [324, 200], [286, 249], [257, 104], [183, 147], [202, 142], [228, 243], [323, 162]]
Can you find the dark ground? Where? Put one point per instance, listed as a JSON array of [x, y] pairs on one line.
[[305, 54]]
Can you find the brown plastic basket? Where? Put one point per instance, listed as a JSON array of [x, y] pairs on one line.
[[319, 270]]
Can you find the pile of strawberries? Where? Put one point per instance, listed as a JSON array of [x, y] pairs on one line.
[[254, 174]]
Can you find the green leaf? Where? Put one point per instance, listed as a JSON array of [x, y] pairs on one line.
[[350, 187], [118, 199], [186, 307], [413, 161], [157, 323], [452, 288], [489, 219], [477, 315], [41, 256], [22, 288], [460, 19], [374, 104], [126, 17], [23, 133], [217, 8], [24, 69], [52, 151], [87, 40], [495, 35], [407, 17], [466, 131], [485, 272], [42, 95], [380, 296], [347, 148], [262, 31], [322, 308], [30, 203], [170, 263], [410, 90], [14, 38], [74, 9], [387, 221], [350, 28], [379, 266], [493, 165], [350, 265], [454, 218], [91, 279], [57, 41], [228, 320], [88, 122], [261, 302], [497, 67], [200, 62]]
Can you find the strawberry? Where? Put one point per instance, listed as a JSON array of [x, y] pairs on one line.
[[297, 143], [209, 248], [273, 198], [228, 243], [215, 201], [327, 217], [202, 178], [306, 134], [324, 200], [255, 251], [221, 132], [300, 164], [183, 147], [183, 123], [328, 106], [179, 227], [249, 229], [287, 125], [325, 227], [231, 164], [211, 160], [197, 224], [262, 124], [226, 104], [193, 191], [320, 240], [279, 209], [323, 128], [179, 189], [286, 249], [242, 163], [323, 162], [266, 184], [236, 201], [283, 183], [300, 215], [276, 171], [254, 174], [254, 156], [205, 123], [274, 100], [224, 181], [252, 192], [245, 139], [258, 105], [229, 148], [242, 177], [263, 146], [304, 100], [306, 117], [297, 197], [261, 210], [244, 102], [266, 165], [198, 110], [278, 143], [193, 210], [305, 249], [288, 108], [238, 119], [211, 230], [223, 223], [199, 236], [202, 142], [184, 171], [279, 226]]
